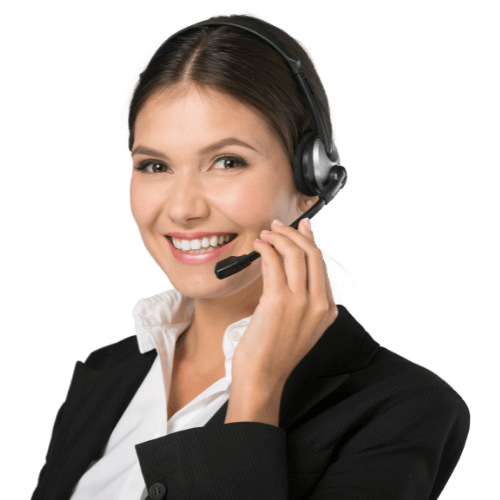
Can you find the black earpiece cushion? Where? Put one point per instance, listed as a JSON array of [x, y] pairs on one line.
[[305, 145]]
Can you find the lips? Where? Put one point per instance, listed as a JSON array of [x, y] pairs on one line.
[[201, 258], [232, 236], [194, 235]]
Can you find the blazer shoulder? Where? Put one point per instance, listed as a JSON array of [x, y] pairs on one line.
[[112, 353], [407, 376]]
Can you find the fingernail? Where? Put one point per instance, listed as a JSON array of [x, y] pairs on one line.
[[278, 222], [308, 224]]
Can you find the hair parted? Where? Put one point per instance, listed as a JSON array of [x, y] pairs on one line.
[[241, 65]]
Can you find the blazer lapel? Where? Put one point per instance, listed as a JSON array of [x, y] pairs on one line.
[[97, 398]]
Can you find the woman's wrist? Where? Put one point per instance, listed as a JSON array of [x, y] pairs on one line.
[[250, 403]]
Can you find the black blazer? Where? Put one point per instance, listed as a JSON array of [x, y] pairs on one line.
[[357, 422]]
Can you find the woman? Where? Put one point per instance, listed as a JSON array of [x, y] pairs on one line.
[[257, 385]]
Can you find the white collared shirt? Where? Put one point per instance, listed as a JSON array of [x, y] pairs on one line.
[[159, 321]]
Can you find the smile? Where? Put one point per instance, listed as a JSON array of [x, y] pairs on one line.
[[202, 255], [196, 246]]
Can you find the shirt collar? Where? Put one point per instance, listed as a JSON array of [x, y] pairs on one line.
[[160, 320]]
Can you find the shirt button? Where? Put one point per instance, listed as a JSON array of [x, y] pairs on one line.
[[157, 491], [236, 335]]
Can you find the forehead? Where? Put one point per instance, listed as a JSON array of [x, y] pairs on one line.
[[203, 113], [184, 94]]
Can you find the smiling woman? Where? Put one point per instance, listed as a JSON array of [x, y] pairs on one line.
[[194, 133], [259, 385]]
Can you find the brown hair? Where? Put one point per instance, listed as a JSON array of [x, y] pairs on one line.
[[239, 64]]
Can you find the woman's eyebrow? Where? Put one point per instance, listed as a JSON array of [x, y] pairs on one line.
[[228, 141]]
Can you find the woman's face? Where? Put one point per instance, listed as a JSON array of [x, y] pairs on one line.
[[188, 186]]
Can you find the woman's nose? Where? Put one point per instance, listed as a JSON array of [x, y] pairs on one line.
[[186, 198]]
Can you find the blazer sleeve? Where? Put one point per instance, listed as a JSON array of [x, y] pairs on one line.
[[54, 433], [74, 391], [408, 450]]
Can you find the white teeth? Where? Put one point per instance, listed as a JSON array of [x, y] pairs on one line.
[[207, 243]]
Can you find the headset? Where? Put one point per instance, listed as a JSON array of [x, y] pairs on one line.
[[316, 164]]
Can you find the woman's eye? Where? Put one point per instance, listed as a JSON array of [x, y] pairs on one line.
[[231, 162], [156, 167]]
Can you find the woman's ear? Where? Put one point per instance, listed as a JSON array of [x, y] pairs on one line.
[[307, 202]]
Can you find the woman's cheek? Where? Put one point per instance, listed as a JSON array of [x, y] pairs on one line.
[[249, 206]]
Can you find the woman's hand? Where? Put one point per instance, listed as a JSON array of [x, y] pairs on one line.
[[295, 309]]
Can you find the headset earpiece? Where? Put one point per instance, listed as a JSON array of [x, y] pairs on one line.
[[311, 164]]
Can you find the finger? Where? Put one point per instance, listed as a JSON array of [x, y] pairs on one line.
[[302, 229], [286, 266], [305, 230], [275, 268], [318, 283], [273, 271], [258, 247]]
